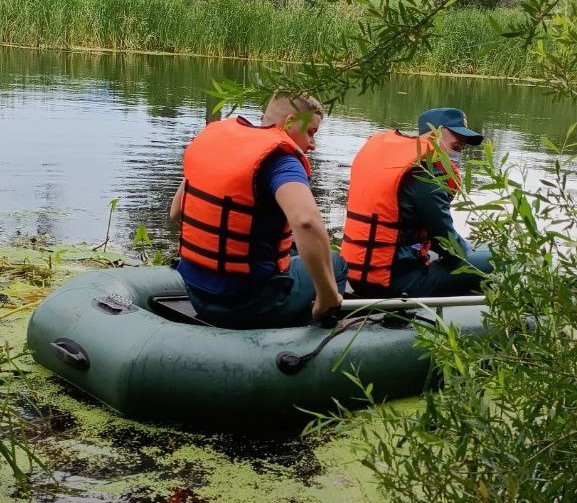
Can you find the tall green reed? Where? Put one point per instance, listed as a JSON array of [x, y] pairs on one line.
[[254, 29], [215, 28], [466, 44], [15, 447]]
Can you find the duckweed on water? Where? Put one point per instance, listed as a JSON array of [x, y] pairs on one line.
[[93, 453]]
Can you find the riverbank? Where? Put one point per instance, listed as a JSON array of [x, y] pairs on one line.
[[466, 42]]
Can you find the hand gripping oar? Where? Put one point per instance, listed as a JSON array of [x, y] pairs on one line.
[[289, 363]]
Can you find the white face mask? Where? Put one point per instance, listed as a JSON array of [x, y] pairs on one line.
[[456, 157]]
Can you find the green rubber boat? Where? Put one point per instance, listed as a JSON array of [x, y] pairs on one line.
[[129, 337]]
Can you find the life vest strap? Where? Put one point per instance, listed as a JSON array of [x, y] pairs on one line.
[[371, 219], [213, 229], [229, 258], [372, 239], [237, 259], [220, 201], [367, 268], [367, 243], [282, 254]]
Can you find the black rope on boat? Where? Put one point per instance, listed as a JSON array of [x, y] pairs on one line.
[[290, 363]]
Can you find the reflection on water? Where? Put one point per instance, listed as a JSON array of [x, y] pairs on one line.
[[79, 130]]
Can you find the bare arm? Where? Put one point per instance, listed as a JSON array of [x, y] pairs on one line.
[[299, 206], [176, 205]]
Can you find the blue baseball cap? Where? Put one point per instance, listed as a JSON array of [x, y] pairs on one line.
[[453, 119]]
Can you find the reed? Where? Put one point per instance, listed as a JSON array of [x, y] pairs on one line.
[[466, 44], [253, 29], [213, 28], [15, 449]]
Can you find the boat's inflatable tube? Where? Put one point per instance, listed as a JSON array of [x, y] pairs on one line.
[[99, 331]]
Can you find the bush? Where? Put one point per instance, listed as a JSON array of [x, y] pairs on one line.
[[504, 428]]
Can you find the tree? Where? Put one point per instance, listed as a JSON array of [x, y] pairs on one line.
[[504, 427]]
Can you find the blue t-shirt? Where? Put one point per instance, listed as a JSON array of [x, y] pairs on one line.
[[275, 171]]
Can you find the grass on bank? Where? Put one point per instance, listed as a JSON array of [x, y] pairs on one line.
[[253, 29]]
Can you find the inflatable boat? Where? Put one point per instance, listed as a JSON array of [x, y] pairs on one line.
[[130, 338]]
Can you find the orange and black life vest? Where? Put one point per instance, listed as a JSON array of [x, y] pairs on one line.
[[219, 204], [371, 231]]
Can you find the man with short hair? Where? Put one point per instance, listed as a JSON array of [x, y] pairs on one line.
[[245, 193], [397, 214]]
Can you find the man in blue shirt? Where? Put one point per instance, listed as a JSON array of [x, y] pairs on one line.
[[246, 188]]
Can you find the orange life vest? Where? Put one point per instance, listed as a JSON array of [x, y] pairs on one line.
[[371, 230], [219, 202]]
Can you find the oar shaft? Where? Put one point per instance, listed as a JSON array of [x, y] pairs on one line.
[[469, 300]]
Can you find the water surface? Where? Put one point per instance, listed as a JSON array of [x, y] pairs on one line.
[[79, 130]]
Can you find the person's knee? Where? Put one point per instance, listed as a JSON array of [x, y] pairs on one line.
[[339, 264]]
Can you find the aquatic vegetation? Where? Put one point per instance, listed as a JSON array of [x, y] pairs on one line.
[[15, 446], [141, 241], [27, 275], [92, 452], [300, 31], [40, 274], [465, 43], [113, 204], [143, 245]]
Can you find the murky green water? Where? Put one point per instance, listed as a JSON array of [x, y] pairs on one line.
[[78, 130]]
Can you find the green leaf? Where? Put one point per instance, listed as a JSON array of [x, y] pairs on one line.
[[459, 364], [512, 34], [113, 204], [429, 438], [523, 208], [484, 491], [494, 24], [141, 235]]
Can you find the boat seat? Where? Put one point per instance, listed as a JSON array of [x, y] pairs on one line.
[[176, 308]]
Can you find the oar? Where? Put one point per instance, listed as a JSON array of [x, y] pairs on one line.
[[290, 363], [401, 303]]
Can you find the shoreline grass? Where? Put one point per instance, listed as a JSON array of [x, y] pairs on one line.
[[250, 29]]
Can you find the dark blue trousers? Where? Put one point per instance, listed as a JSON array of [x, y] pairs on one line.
[[439, 279], [282, 301]]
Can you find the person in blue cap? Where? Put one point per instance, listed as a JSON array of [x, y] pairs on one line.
[[396, 215]]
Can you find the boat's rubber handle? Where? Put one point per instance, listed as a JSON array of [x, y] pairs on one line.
[[289, 363], [71, 353], [114, 304]]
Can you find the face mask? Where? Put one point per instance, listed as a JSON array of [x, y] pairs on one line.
[[456, 157]]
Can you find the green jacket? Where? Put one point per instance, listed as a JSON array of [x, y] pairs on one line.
[[423, 205]]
